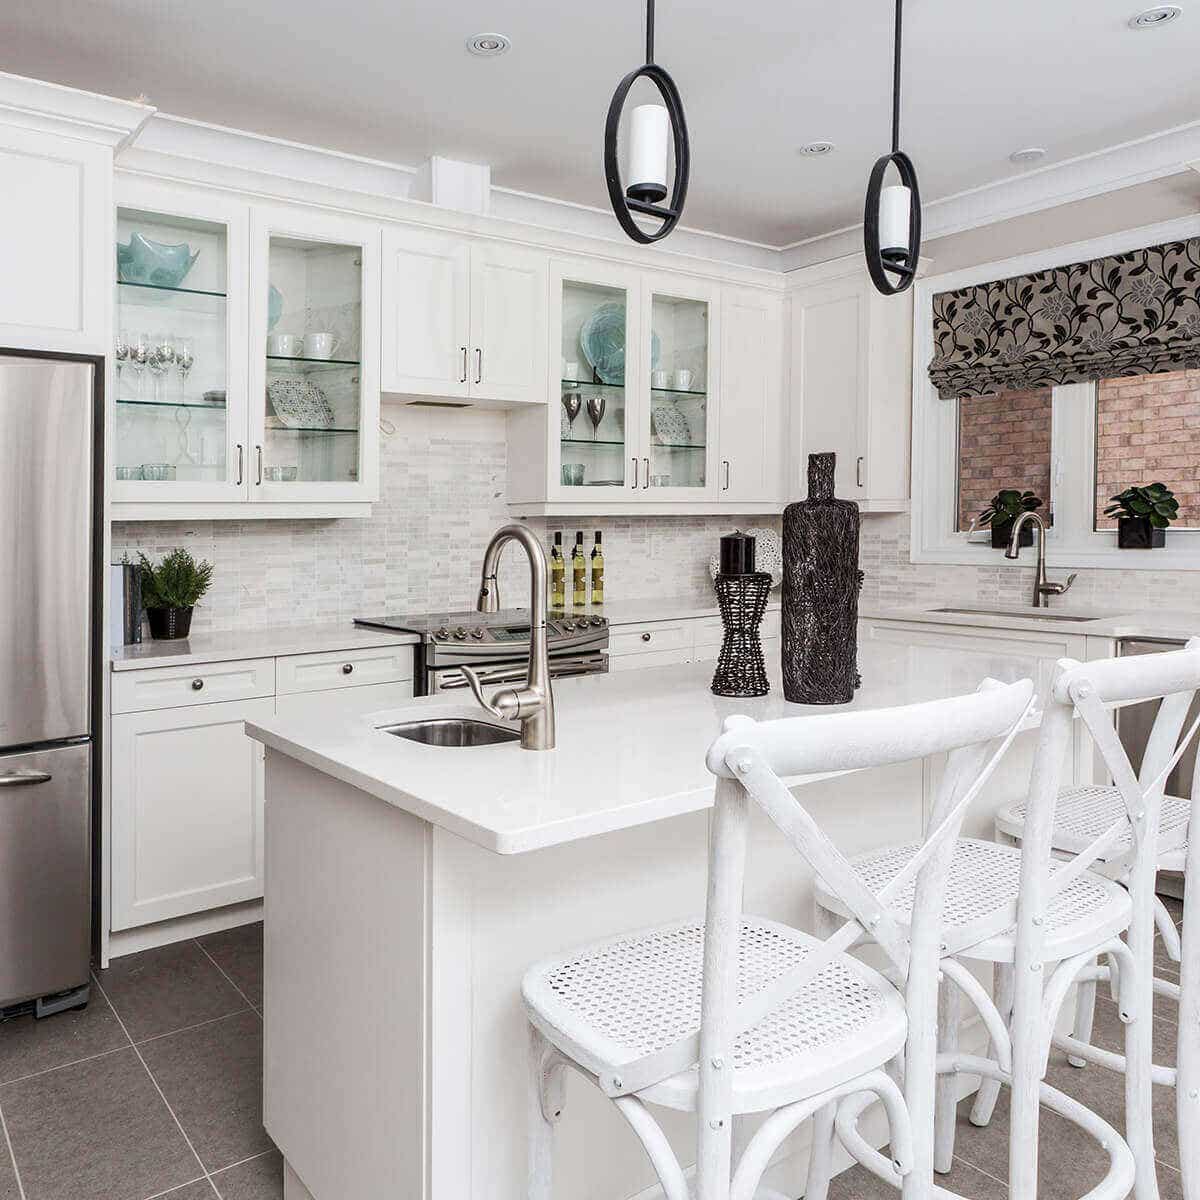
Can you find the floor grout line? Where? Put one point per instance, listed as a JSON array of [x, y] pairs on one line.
[[225, 974], [11, 1154], [179, 1187], [158, 1037], [995, 1179], [146, 1067], [63, 1066], [242, 1161]]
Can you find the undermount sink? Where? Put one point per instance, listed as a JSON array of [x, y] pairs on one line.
[[454, 732], [1033, 614]]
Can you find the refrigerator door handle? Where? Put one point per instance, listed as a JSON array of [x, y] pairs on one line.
[[24, 778]]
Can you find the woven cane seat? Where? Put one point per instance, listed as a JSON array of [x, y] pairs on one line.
[[615, 1001], [1082, 814], [985, 876]]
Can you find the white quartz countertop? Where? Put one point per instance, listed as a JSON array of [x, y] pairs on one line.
[[1165, 624], [253, 643], [630, 747]]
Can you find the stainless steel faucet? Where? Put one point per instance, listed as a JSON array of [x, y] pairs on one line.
[[1042, 590], [533, 704]]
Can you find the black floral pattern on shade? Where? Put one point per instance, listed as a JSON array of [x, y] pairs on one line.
[[1130, 314]]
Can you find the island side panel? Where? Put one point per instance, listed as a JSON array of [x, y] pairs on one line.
[[345, 975]]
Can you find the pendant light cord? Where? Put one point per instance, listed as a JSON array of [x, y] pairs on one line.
[[895, 81], [649, 32]]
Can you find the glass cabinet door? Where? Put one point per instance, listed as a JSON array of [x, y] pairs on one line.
[[179, 408], [313, 349], [592, 421], [676, 455]]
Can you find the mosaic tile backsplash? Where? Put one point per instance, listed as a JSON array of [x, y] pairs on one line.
[[442, 497]]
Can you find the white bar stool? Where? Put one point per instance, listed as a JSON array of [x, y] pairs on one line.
[[1094, 821], [1043, 921], [735, 1014]]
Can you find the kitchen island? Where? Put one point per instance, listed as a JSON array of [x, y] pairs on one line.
[[410, 886]]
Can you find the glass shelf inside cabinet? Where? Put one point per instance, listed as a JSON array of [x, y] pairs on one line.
[[170, 348], [678, 392], [313, 348], [592, 433]]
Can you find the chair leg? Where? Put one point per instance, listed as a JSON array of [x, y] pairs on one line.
[[544, 1106], [945, 1113], [820, 1162], [1139, 1053], [989, 1089], [1187, 1083], [1085, 1013], [1027, 1029]]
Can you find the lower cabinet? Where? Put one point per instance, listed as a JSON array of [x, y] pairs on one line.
[[689, 640], [187, 790]]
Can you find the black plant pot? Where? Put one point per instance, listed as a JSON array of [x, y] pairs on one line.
[[1136, 533], [1002, 535], [169, 623]]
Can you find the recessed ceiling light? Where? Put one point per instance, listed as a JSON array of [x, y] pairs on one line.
[[488, 45], [1152, 18], [1030, 154], [817, 149]]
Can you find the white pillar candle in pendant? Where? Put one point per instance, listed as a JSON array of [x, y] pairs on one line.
[[650, 126], [894, 209]]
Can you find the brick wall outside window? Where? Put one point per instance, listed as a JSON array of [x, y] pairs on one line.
[[1003, 442], [1147, 429]]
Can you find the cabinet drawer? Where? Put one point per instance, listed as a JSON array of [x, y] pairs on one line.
[[643, 639], [204, 683], [343, 668]]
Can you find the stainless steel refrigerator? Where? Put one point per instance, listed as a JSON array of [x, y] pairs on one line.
[[50, 433]]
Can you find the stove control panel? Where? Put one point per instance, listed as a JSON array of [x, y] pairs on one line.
[[558, 629]]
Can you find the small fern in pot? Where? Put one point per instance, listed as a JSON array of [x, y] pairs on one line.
[[1143, 514], [1003, 509], [171, 590]]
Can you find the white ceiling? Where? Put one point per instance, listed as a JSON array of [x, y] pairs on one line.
[[394, 81]]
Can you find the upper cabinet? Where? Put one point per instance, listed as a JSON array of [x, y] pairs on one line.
[[851, 370], [55, 242], [463, 319], [652, 407], [246, 350]]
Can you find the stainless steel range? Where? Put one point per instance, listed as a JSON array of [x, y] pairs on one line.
[[496, 645]]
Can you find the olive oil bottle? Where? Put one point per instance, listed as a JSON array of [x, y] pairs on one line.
[[578, 573], [597, 571], [558, 574]]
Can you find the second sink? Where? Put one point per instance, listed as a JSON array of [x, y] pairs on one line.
[[1033, 614], [454, 732]]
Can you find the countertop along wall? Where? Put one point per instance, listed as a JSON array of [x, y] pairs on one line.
[[441, 498]]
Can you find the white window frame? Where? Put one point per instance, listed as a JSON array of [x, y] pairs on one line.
[[1071, 542]]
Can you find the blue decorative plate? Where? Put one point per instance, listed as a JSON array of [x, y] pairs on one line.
[[602, 340], [274, 307], [143, 260]]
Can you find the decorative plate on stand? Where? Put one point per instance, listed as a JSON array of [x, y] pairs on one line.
[[670, 426], [299, 403]]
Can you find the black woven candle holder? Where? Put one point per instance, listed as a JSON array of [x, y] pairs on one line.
[[743, 602]]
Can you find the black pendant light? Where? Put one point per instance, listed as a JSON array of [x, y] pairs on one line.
[[892, 221], [647, 188]]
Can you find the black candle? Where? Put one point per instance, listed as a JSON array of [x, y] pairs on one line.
[[737, 554]]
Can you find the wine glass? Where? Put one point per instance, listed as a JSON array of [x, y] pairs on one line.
[[572, 402], [595, 412], [121, 357], [139, 357], [162, 358], [185, 359]]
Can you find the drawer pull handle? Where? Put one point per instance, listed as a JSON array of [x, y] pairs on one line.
[[197, 685], [347, 668], [24, 778], [645, 637]]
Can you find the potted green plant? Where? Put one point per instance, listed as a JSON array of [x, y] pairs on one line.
[[1143, 514], [1003, 509], [170, 592]]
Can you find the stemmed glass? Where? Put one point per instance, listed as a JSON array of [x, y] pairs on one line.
[[572, 402], [162, 355], [595, 412], [139, 358], [185, 359], [121, 356]]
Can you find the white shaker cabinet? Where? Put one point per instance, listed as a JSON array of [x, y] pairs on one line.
[[851, 370], [463, 318], [750, 413]]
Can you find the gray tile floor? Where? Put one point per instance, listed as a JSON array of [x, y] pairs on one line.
[[153, 1090]]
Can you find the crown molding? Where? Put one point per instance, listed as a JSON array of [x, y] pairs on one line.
[[1154, 157], [52, 108]]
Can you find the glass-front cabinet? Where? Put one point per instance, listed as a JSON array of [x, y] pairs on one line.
[[179, 369], [245, 355], [315, 354], [635, 367]]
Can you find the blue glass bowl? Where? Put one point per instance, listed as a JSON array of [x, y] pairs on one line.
[[145, 261]]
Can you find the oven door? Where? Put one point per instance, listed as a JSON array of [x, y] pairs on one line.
[[449, 679]]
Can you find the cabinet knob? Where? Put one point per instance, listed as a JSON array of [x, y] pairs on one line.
[[197, 684], [645, 637], [347, 668]]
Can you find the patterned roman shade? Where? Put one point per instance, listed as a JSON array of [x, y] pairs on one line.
[[1130, 314]]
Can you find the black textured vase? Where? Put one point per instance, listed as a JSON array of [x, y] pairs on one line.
[[821, 582], [741, 670]]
